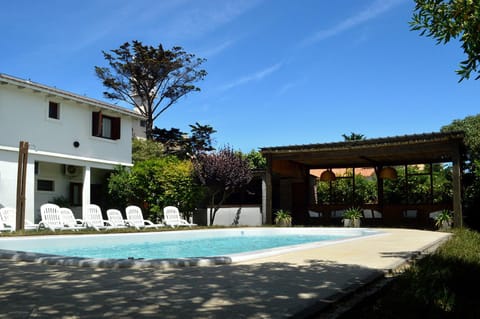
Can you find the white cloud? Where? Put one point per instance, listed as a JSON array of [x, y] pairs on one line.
[[257, 76], [205, 17], [216, 49], [377, 8]]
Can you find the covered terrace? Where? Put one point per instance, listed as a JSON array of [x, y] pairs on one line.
[[290, 184]]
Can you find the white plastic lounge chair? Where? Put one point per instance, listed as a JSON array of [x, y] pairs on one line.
[[410, 213], [69, 220], [171, 217], [135, 218], [337, 213], [9, 221], [314, 214], [94, 218], [116, 219], [51, 217], [371, 214]]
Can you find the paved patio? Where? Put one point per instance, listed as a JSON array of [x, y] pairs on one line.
[[288, 285]]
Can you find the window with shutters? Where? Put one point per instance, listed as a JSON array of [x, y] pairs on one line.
[[105, 126]]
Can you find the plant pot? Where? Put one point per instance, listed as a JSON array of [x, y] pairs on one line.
[[356, 223], [284, 223], [351, 222], [445, 225]]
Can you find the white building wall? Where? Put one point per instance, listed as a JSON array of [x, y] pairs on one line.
[[27, 114], [8, 183], [24, 117]]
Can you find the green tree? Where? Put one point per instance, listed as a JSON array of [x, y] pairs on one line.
[[454, 19], [146, 149], [185, 146], [470, 125], [353, 137], [156, 183], [149, 78], [255, 160]]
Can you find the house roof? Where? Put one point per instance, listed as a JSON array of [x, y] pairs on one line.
[[436, 147], [37, 87]]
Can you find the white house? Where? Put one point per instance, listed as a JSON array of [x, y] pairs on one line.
[[74, 142]]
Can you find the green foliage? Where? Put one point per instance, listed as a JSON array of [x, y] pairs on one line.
[[416, 189], [256, 160], [182, 145], [283, 217], [470, 125], [436, 286], [353, 213], [445, 216], [146, 149], [149, 78], [454, 19], [353, 137], [342, 190], [61, 201], [156, 183], [418, 186]]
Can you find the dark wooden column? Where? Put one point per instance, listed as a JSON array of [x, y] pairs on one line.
[[457, 188], [268, 194], [21, 185]]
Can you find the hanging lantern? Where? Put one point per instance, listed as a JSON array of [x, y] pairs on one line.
[[388, 173], [327, 176]]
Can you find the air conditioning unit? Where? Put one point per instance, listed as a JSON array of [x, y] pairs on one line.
[[71, 170]]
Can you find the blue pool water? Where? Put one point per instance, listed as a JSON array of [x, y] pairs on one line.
[[203, 247], [181, 244]]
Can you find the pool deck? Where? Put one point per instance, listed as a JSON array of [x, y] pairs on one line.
[[294, 284]]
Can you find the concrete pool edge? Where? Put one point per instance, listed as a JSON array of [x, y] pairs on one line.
[[167, 263]]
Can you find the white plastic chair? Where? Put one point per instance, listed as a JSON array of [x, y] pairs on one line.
[[94, 219], [171, 217], [8, 220], [69, 220], [51, 217], [115, 218], [135, 218]]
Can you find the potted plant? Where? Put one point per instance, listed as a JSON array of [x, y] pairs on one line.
[[283, 218], [444, 220], [351, 217]]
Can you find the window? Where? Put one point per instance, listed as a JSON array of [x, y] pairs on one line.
[[53, 110], [45, 185], [105, 126]]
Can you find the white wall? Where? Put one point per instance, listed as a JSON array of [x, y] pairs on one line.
[[8, 183], [231, 216], [24, 117]]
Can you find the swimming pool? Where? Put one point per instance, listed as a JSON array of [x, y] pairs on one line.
[[172, 248]]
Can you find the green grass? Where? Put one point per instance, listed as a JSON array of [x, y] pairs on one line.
[[444, 284]]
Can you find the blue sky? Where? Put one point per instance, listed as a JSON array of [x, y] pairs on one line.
[[280, 72]]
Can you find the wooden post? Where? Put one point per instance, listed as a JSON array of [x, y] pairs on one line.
[[457, 189], [21, 185], [268, 195]]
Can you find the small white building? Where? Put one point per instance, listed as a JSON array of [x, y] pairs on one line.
[[74, 142]]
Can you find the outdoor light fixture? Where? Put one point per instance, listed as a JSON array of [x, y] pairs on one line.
[[388, 173], [327, 176]]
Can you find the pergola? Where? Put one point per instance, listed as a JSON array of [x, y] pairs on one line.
[[294, 163]]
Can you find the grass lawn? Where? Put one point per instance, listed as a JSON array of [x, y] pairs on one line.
[[445, 284]]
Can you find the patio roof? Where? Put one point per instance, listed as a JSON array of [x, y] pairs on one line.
[[408, 149]]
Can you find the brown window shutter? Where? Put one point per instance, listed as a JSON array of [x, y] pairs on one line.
[[115, 128], [97, 123]]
